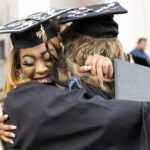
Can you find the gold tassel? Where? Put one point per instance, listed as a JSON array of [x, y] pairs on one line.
[[42, 34]]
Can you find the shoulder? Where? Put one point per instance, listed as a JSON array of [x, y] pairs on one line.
[[134, 51], [32, 91]]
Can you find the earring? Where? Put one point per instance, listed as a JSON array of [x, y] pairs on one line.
[[21, 77]]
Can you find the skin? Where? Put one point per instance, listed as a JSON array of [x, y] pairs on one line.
[[142, 45], [100, 66], [36, 65]]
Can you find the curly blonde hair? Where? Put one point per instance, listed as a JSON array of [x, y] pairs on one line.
[[77, 48]]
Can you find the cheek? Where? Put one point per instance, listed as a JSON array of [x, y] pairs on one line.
[[28, 72], [49, 65]]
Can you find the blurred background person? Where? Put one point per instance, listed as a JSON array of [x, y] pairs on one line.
[[139, 51]]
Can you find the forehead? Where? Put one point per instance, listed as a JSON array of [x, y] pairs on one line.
[[143, 42], [36, 50]]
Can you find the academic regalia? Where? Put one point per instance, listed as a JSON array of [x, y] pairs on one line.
[[50, 118], [96, 21], [32, 30]]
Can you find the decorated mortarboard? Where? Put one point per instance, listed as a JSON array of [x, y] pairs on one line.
[[96, 20], [32, 30]]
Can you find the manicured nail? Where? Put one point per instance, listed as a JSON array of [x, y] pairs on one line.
[[11, 142], [6, 116], [87, 68], [12, 135], [13, 127]]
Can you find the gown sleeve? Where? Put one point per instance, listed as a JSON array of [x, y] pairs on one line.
[[48, 118]]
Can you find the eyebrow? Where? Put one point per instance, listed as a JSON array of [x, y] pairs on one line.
[[44, 52]]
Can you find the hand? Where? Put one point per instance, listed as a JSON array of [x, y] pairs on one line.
[[98, 66], [4, 134]]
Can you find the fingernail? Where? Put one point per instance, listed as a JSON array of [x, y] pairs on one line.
[[6, 116], [11, 142], [12, 135], [87, 68], [13, 127]]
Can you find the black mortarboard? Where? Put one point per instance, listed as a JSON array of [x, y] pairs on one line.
[[96, 21], [28, 32]]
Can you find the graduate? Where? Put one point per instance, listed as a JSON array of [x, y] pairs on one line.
[[48, 117], [35, 50]]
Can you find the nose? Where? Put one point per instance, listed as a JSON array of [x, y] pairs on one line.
[[41, 68]]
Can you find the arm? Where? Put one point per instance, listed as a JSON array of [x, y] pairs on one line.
[[99, 65], [5, 135], [52, 118]]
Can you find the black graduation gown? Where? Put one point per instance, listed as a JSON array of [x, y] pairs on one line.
[[48, 118]]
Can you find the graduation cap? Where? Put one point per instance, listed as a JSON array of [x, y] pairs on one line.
[[96, 20], [32, 30]]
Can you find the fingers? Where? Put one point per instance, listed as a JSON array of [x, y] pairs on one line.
[[110, 71], [99, 70], [91, 61], [3, 118], [4, 134], [100, 66], [85, 68], [7, 134], [107, 68], [8, 140], [87, 61], [7, 127]]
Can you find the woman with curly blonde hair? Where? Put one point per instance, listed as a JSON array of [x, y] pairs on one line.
[[78, 47], [93, 31]]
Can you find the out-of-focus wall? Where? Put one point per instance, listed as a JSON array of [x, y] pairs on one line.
[[27, 7], [135, 24], [73, 3], [4, 42]]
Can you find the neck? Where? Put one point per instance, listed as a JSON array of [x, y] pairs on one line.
[[139, 49]]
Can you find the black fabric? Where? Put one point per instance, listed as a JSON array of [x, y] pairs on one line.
[[48, 118], [101, 27], [92, 91], [140, 61], [53, 72], [29, 38]]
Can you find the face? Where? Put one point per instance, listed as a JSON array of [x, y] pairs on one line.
[[142, 45], [36, 63]]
